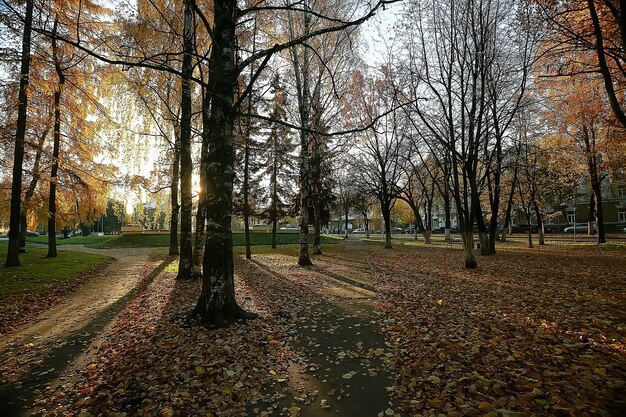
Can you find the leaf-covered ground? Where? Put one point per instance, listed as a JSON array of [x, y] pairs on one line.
[[369, 331], [40, 282], [531, 332]]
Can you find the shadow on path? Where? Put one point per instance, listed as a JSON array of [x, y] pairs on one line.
[[17, 398], [341, 369]]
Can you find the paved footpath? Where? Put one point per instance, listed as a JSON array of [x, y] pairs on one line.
[[36, 353]]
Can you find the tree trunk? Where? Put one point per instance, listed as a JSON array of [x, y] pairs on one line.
[[540, 230], [386, 211], [274, 209], [274, 226], [448, 225], [345, 231], [530, 232], [509, 205], [317, 226], [592, 213], [52, 209], [482, 232], [468, 245], [367, 226], [174, 197], [185, 264], [303, 257], [216, 305], [246, 188], [599, 214], [18, 155]]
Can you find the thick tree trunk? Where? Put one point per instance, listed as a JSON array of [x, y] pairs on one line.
[[345, 230], [386, 211], [18, 155], [174, 197], [216, 305], [52, 209], [468, 246], [185, 264], [367, 226]]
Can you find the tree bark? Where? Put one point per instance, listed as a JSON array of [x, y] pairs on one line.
[[18, 155], [274, 208], [468, 245], [604, 68], [216, 305], [540, 229], [174, 197], [198, 244], [386, 211], [52, 210], [185, 264], [317, 226], [303, 257]]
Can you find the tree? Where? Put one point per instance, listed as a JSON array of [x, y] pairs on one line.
[[185, 264], [378, 161], [18, 158], [592, 28], [279, 163]]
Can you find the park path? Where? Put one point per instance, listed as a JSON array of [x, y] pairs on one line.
[[36, 353], [340, 363]]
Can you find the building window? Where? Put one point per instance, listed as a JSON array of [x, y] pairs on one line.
[[571, 217], [621, 192], [621, 216]]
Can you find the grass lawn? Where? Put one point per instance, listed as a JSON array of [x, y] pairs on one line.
[[158, 241], [38, 273]]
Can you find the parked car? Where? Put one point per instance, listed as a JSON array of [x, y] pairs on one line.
[[580, 228], [624, 230], [359, 230], [440, 229], [410, 230], [30, 233], [397, 230]]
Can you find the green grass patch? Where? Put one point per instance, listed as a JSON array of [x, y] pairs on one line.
[[77, 240], [163, 241], [38, 273]]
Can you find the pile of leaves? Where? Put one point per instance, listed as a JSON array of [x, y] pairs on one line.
[[531, 332]]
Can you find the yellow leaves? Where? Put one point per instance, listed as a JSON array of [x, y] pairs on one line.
[[440, 302], [378, 352], [199, 370], [294, 411], [484, 406], [91, 366]]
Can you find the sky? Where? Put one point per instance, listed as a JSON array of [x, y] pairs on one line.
[[378, 33]]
